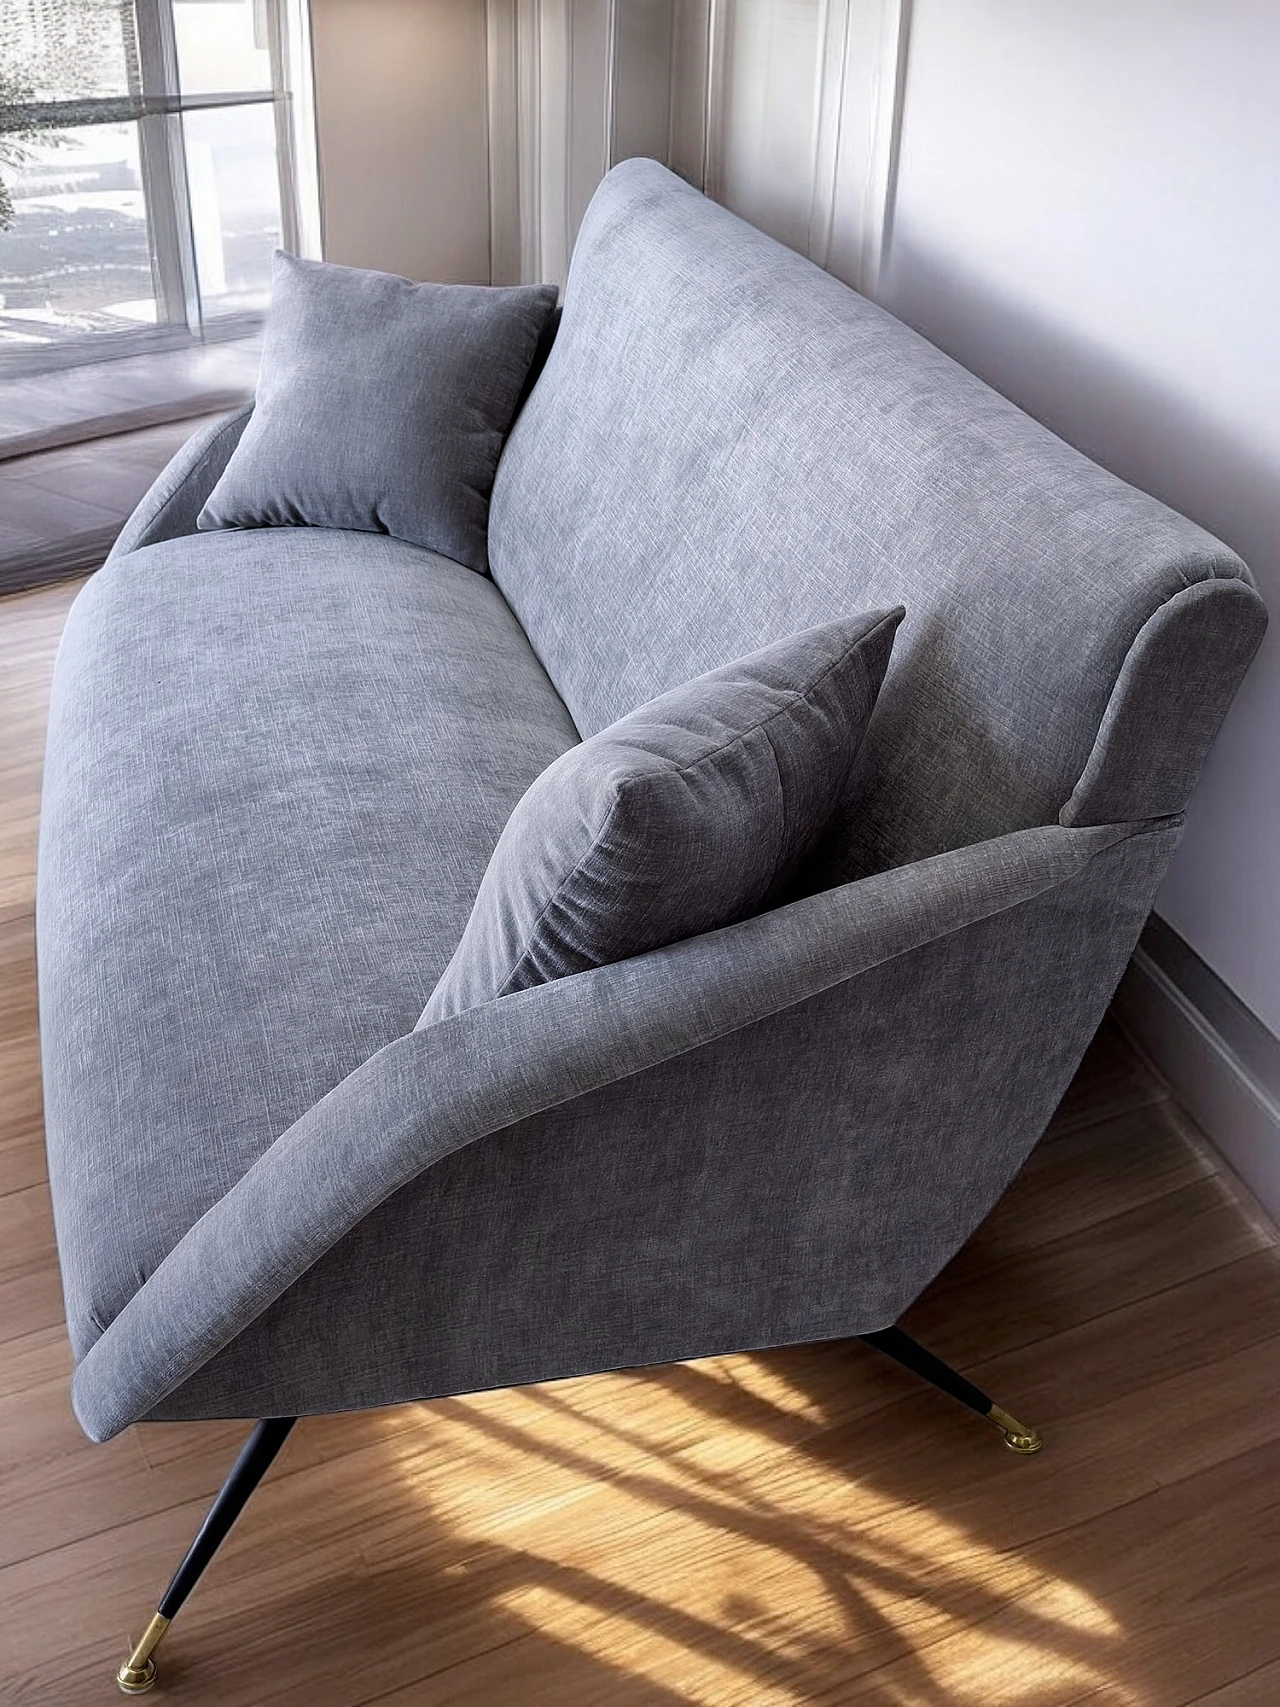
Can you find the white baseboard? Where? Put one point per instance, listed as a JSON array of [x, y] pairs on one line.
[[1229, 1102]]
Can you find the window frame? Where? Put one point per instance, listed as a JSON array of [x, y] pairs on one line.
[[158, 111]]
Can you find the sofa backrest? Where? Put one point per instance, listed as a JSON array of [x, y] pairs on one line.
[[728, 445]]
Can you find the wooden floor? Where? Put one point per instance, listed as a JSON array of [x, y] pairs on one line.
[[807, 1526], [61, 509]]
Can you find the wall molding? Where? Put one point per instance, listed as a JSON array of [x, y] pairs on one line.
[[881, 170], [573, 87], [691, 68], [804, 119], [576, 85], [1217, 1058], [502, 73]]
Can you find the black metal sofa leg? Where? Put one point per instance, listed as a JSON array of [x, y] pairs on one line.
[[913, 1356], [138, 1673]]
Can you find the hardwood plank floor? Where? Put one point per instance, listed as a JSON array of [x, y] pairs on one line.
[[801, 1526], [60, 510]]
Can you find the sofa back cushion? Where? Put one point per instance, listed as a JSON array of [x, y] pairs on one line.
[[693, 812], [728, 445]]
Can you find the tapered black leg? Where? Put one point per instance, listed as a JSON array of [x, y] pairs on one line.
[[138, 1673], [913, 1356]]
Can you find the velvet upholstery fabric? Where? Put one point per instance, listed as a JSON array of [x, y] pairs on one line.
[[689, 814], [279, 762], [728, 445], [730, 1141], [172, 503], [382, 405], [279, 859]]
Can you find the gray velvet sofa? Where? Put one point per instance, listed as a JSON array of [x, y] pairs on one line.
[[279, 760]]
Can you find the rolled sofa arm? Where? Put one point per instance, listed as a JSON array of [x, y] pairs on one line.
[[168, 509], [449, 1084]]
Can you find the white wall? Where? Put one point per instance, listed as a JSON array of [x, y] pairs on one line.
[[1088, 214], [402, 126]]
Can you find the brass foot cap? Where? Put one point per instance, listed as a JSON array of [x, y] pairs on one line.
[[1026, 1444], [1017, 1436], [136, 1680]]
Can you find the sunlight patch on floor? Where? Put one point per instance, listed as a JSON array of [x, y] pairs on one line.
[[577, 1532]]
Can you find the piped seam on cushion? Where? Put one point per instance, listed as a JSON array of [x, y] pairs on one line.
[[793, 696]]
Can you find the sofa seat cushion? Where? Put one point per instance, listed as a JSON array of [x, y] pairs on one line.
[[278, 764]]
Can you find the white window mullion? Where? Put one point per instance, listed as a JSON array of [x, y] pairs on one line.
[[164, 171], [289, 41]]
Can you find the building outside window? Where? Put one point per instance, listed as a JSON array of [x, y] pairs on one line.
[[153, 154]]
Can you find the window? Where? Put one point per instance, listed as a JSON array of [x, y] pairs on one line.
[[149, 164]]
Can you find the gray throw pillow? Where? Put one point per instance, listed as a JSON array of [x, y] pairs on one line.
[[382, 405], [691, 813]]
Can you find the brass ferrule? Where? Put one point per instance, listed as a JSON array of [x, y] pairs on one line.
[[138, 1672], [1017, 1436]]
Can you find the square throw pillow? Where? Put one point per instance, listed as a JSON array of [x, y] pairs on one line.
[[382, 405], [691, 813]]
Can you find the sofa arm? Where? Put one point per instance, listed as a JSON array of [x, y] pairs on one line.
[[449, 1084], [177, 495]]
